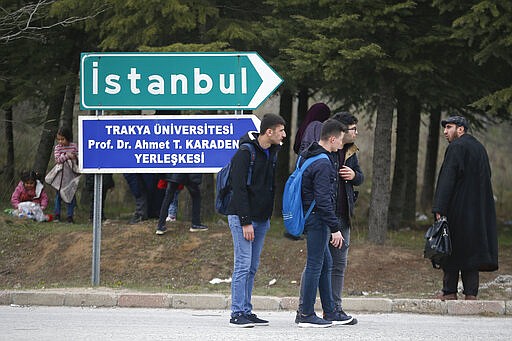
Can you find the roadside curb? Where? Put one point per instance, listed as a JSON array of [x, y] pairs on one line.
[[94, 297]]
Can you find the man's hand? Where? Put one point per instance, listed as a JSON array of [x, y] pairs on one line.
[[337, 239], [346, 173], [248, 231]]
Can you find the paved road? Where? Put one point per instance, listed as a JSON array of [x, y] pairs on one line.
[[74, 323]]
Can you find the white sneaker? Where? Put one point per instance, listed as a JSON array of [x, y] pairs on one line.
[[170, 218]]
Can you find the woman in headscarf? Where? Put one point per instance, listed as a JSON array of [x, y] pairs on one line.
[[310, 128]]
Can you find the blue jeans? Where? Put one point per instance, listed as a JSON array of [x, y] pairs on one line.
[[339, 264], [246, 262], [173, 207], [70, 207], [317, 273]]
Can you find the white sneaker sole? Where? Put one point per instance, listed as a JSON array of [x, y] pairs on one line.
[[313, 325], [248, 325], [340, 323]]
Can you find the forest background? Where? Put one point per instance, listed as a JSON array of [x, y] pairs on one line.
[[400, 66]]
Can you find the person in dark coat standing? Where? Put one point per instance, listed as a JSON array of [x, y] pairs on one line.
[[464, 195]]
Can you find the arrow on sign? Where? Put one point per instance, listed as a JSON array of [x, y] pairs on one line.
[[182, 81]]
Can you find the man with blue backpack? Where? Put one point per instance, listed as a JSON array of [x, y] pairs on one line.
[[320, 185], [249, 211]]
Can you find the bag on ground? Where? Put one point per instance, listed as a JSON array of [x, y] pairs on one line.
[[293, 213]]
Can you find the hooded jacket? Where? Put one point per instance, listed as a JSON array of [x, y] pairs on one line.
[[254, 202], [37, 195], [320, 183]]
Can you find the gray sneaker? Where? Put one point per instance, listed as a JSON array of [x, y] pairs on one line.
[[198, 228]]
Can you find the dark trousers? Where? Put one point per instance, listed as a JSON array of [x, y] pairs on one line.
[[195, 194], [470, 281]]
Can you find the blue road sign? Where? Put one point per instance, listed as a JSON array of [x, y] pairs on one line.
[[160, 144], [184, 81]]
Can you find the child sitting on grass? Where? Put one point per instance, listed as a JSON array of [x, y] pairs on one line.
[[29, 198]]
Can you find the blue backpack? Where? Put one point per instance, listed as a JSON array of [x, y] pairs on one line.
[[293, 214], [223, 184]]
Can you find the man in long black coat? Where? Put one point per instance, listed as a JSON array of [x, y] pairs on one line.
[[464, 195]]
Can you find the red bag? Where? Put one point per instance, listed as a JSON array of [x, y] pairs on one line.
[[162, 184]]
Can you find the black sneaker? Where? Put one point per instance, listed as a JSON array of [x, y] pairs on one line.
[[161, 230], [56, 218], [256, 320], [339, 317], [297, 317], [313, 321], [198, 228], [240, 321], [135, 219], [70, 220]]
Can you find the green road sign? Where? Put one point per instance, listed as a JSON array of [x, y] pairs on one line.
[[181, 81]]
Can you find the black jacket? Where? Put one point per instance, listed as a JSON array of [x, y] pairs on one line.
[[464, 195], [254, 202], [351, 161], [185, 178], [320, 183]]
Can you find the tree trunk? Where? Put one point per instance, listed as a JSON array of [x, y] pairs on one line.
[[68, 106], [9, 179], [397, 199], [51, 125], [414, 113], [429, 174], [285, 109], [379, 201], [303, 107]]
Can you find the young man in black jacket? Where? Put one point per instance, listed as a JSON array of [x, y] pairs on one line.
[[350, 175], [320, 183], [249, 213]]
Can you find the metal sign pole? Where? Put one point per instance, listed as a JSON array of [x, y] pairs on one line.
[[96, 225]]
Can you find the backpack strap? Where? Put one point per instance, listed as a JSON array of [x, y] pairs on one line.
[[305, 165], [252, 151]]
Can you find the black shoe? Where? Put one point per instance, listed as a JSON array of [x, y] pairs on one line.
[[339, 317], [292, 237], [70, 220], [297, 317], [135, 219], [256, 320], [56, 218], [354, 320], [240, 321], [313, 321], [198, 228]]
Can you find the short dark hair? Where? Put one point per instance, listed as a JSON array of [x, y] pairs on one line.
[[66, 133], [270, 121], [332, 127], [345, 117]]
